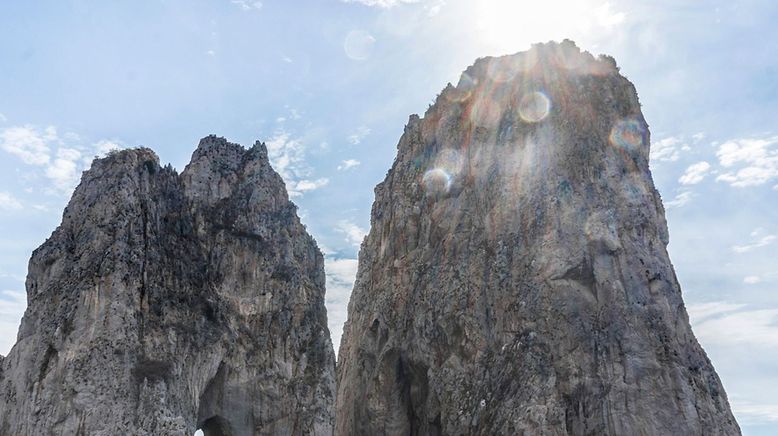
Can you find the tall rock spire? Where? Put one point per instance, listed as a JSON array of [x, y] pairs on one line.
[[515, 279], [165, 303]]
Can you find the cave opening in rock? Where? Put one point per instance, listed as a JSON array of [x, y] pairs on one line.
[[214, 426]]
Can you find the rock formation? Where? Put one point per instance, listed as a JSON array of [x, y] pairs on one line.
[[165, 303], [516, 279]]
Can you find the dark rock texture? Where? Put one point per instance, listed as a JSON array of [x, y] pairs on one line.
[[164, 303], [516, 279]]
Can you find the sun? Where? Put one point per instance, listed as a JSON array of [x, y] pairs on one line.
[[508, 26]]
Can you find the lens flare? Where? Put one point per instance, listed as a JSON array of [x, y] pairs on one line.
[[463, 89], [358, 45], [628, 133], [534, 107], [436, 181], [450, 161]]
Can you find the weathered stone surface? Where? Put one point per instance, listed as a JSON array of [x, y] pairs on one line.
[[164, 303], [516, 279]]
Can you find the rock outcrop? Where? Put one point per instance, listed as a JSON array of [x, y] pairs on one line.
[[165, 303], [516, 279]]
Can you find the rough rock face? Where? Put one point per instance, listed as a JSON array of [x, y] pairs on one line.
[[516, 279], [164, 303]]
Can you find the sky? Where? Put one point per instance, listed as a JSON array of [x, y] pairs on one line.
[[329, 86]]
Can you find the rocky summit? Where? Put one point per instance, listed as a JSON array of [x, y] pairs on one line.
[[516, 279], [166, 303]]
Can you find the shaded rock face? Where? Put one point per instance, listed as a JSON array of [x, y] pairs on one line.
[[516, 279], [165, 303]]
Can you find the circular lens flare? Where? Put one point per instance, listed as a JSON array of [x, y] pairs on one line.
[[358, 45], [534, 107], [436, 181], [628, 133]]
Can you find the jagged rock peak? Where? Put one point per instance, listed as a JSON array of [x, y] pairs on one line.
[[164, 303], [213, 146], [515, 279]]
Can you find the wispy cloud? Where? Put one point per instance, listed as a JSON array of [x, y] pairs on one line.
[[695, 173], [752, 280], [358, 135], [348, 163], [667, 149], [12, 305], [680, 200], [751, 161], [9, 202], [28, 143], [3, 118], [63, 170], [760, 240], [61, 158], [287, 155], [754, 411], [353, 233], [340, 281], [247, 5], [381, 3], [728, 324], [701, 311]]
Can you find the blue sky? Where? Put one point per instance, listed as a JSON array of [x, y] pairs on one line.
[[329, 85]]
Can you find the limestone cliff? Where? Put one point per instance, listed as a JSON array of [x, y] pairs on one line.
[[165, 303], [516, 279]]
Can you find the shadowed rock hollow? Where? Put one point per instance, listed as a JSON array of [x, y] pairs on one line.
[[515, 279], [164, 303]]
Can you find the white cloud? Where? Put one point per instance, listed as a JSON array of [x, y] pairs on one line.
[[340, 281], [752, 280], [761, 242], [63, 171], [728, 325], [105, 146], [358, 135], [28, 143], [354, 234], [348, 163], [287, 155], [697, 137], [309, 185], [753, 161], [9, 202], [695, 173], [754, 411], [381, 3], [701, 311], [606, 17], [680, 200], [12, 305], [247, 5], [61, 160], [3, 118], [666, 149]]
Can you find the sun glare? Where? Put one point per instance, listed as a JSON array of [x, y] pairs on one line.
[[507, 26]]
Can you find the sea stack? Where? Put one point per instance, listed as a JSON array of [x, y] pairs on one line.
[[516, 279], [166, 303]]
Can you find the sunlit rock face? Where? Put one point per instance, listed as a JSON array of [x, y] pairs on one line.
[[516, 279], [165, 303]]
